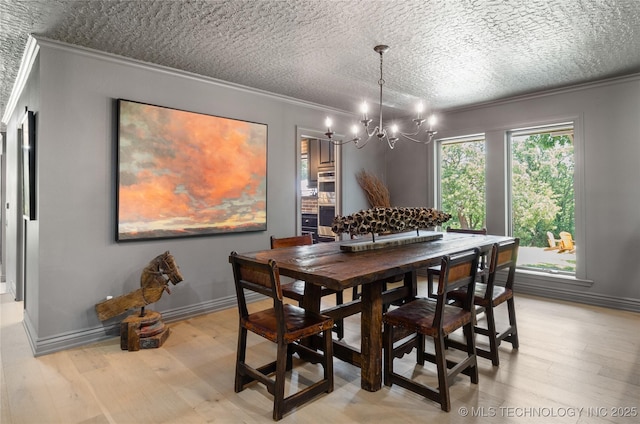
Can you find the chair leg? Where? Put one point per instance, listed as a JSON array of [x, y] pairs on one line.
[[471, 352], [387, 339], [421, 346], [513, 337], [443, 380], [385, 306], [281, 369], [240, 358], [290, 351], [340, 322], [355, 295], [492, 334], [328, 359]]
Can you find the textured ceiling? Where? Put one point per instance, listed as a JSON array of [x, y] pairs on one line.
[[449, 53]]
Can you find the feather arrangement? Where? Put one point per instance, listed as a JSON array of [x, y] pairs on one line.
[[375, 190]]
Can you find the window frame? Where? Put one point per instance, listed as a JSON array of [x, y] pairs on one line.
[[498, 188], [438, 160], [528, 131]]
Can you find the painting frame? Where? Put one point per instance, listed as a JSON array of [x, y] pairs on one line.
[[27, 139], [186, 174]]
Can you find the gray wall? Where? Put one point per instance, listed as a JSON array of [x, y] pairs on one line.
[[607, 119], [73, 258]]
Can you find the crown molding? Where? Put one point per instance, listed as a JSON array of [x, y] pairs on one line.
[[114, 58], [28, 58], [545, 93]]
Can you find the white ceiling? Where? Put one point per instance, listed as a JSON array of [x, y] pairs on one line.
[[450, 53]]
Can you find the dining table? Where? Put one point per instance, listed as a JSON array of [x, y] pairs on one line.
[[341, 265]]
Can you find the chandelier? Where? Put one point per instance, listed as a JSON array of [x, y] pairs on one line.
[[388, 133]]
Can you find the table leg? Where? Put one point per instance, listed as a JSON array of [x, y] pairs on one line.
[[371, 337], [311, 299], [311, 302]]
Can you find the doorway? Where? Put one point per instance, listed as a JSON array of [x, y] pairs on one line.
[[3, 216], [318, 200]]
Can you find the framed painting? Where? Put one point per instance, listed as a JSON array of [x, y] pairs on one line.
[[28, 153], [188, 174]]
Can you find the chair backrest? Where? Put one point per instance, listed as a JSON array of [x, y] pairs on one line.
[[482, 231], [503, 256], [457, 271], [302, 240], [258, 277], [566, 240], [551, 239]]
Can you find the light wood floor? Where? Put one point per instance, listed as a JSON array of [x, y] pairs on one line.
[[576, 364]]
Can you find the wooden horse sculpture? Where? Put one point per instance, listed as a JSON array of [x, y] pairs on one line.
[[144, 330]]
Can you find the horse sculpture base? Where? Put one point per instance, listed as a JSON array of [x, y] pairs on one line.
[[143, 332]]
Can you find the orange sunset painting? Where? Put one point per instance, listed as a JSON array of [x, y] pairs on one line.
[[185, 174]]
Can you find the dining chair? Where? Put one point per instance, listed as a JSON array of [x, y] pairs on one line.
[[504, 256], [295, 289], [434, 271], [426, 317], [283, 324]]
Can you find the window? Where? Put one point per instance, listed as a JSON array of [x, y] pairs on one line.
[[462, 181], [542, 197]]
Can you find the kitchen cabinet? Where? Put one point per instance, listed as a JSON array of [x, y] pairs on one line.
[[327, 154], [321, 155]]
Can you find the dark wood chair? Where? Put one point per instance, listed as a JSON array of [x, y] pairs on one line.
[[284, 324], [436, 319], [295, 289], [434, 271], [504, 256]]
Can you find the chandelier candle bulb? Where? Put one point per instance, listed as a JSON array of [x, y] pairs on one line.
[[419, 110], [364, 109], [432, 121], [328, 122]]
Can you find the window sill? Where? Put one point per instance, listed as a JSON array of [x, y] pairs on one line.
[[537, 279], [569, 280]]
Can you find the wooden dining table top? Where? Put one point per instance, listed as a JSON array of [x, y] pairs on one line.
[[328, 265]]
